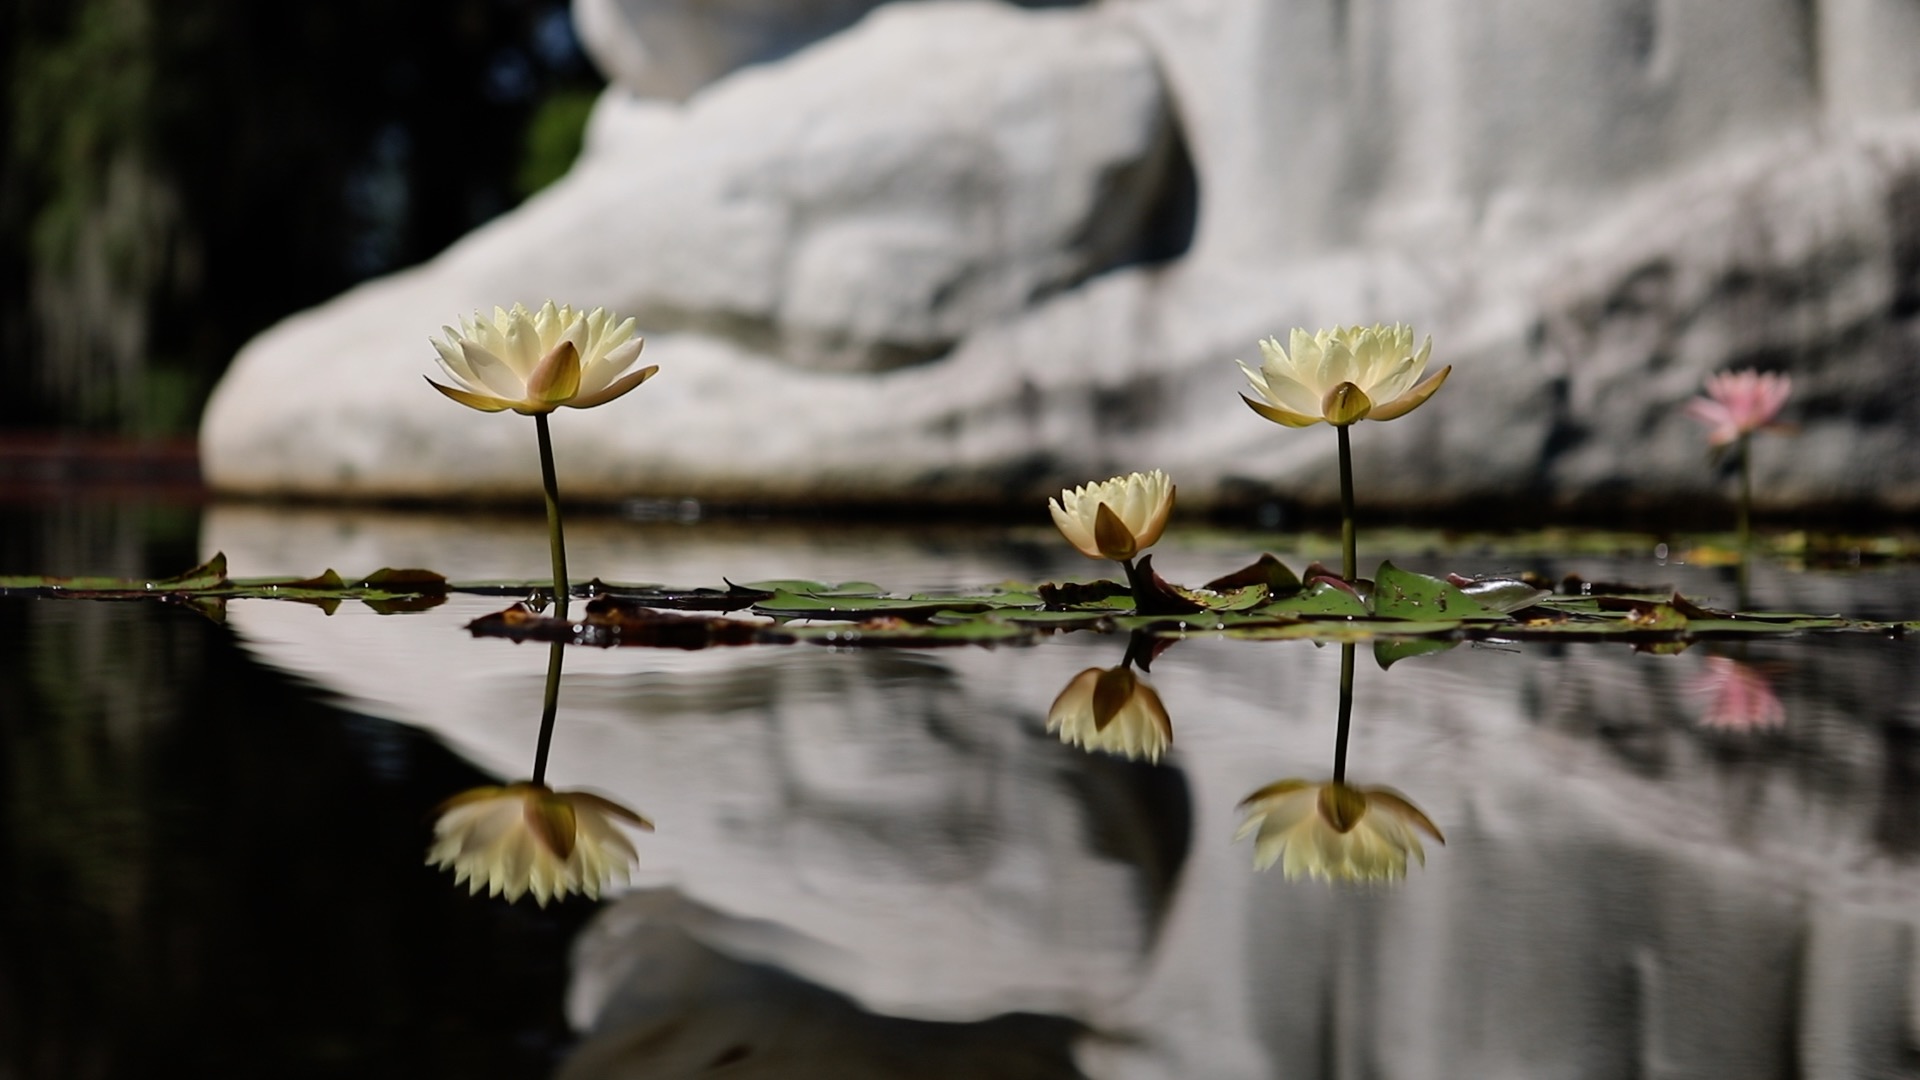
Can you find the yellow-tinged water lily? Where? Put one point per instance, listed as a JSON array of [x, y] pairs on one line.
[[1342, 376], [537, 361], [1112, 710], [526, 837], [1117, 518], [1334, 831]]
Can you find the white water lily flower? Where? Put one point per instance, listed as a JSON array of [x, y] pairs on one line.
[[1117, 518], [1342, 376], [529, 838], [1112, 710], [1334, 832], [536, 361]]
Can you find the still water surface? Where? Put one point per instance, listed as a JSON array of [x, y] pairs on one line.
[[881, 864]]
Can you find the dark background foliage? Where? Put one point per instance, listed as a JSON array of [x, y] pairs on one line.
[[179, 175]]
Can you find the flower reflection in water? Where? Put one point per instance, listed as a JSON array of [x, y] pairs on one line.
[[1335, 832], [526, 837], [1737, 697], [1112, 710], [1115, 710]]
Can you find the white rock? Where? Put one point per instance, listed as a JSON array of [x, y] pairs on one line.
[[1590, 210], [670, 48], [840, 207]]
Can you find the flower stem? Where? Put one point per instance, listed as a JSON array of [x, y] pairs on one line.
[[1349, 561], [556, 537], [1346, 712], [549, 708], [1746, 494]]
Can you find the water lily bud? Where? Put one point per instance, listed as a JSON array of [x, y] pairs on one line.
[[1115, 519], [1112, 710]]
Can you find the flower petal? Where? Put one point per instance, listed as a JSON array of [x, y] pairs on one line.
[[1279, 415], [1111, 534], [601, 368], [1412, 399], [493, 373], [1111, 693], [613, 390], [551, 821], [558, 376], [1346, 404], [472, 400], [1156, 521]]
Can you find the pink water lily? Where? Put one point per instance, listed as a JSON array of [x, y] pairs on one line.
[[1739, 403], [1737, 697]]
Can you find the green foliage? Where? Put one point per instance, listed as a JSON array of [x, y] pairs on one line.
[[177, 177], [1403, 614], [554, 137]]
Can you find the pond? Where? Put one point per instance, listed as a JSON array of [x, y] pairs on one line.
[[881, 863]]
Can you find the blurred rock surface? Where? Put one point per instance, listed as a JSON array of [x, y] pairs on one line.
[[950, 253]]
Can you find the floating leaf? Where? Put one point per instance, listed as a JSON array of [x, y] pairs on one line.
[[1398, 594], [1322, 599], [896, 633], [1154, 595], [1265, 571], [609, 623], [387, 579], [1071, 594], [814, 588], [208, 575], [788, 605], [1388, 652], [211, 574], [1506, 595]]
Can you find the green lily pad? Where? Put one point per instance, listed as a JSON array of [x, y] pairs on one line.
[[211, 574], [1398, 594], [814, 588], [890, 634], [1265, 571], [790, 605], [1388, 652], [1320, 600]]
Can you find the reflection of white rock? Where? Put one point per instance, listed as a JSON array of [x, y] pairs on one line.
[[679, 1008], [1621, 893]]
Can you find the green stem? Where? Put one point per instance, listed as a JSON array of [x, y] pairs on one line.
[[556, 537], [549, 708], [1346, 712], [1349, 561], [1746, 494]]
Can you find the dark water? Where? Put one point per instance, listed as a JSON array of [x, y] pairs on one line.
[[882, 864]]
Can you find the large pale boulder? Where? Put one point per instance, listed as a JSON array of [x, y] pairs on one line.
[[670, 48], [1590, 208]]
